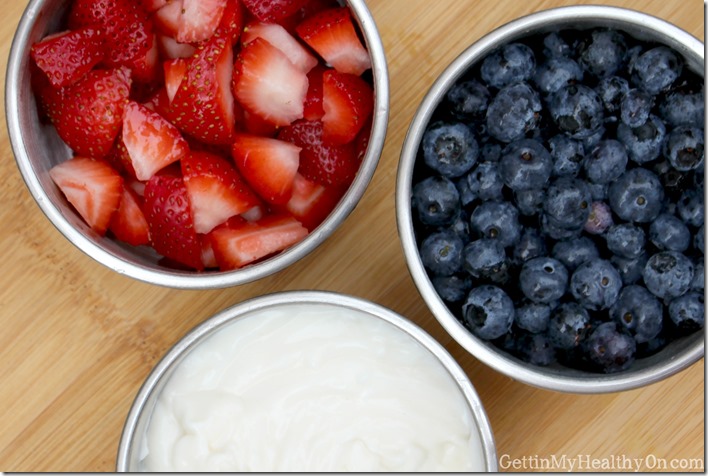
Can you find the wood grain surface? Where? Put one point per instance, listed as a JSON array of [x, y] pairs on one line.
[[78, 340]]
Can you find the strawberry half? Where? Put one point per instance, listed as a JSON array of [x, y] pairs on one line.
[[89, 113], [170, 49], [273, 11], [312, 202], [152, 141], [128, 223], [268, 84], [313, 109], [321, 161], [331, 33], [67, 56], [175, 70], [169, 216], [347, 101], [216, 190], [240, 244], [199, 20], [279, 37], [92, 187], [268, 165]]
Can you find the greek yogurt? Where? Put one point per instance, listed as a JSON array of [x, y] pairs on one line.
[[309, 388]]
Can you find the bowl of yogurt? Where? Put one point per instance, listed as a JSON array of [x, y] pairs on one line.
[[307, 381]]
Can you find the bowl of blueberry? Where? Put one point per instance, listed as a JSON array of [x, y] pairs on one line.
[[550, 199]]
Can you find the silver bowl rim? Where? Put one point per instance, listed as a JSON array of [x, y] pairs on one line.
[[189, 279], [496, 358], [161, 371]]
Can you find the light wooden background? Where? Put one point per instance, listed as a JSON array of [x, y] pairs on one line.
[[77, 339]]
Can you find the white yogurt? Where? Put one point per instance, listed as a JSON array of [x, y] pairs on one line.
[[311, 388]]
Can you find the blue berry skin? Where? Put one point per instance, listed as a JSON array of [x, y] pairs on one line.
[[567, 203], [609, 348], [683, 109], [568, 155], [606, 161], [461, 227], [568, 326], [611, 90], [630, 269], [525, 164], [450, 149], [513, 112], [598, 191], [596, 284], [599, 219], [638, 312], [441, 253], [684, 147], [533, 317], [656, 69], [490, 152], [452, 289], [496, 220], [485, 181], [467, 196], [468, 100], [531, 245], [668, 232], [485, 258], [643, 143], [543, 279], [554, 45], [602, 55], [699, 278], [572, 253], [554, 73], [552, 230], [535, 349], [626, 240], [688, 312], [691, 207], [635, 107], [488, 312], [636, 196], [577, 111], [509, 64], [436, 200], [530, 202], [699, 239], [668, 274]]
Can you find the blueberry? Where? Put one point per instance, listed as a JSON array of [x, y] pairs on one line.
[[485, 258], [611, 90], [673, 181], [599, 219], [576, 110], [638, 312], [530, 202], [525, 164], [450, 149], [602, 54], [635, 107], [533, 316], [572, 253], [509, 64], [626, 240], [554, 45], [452, 289], [461, 227], [567, 203], [680, 108], [684, 147], [467, 196], [656, 69], [556, 232], [596, 284], [514, 111], [554, 73], [609, 348], [488, 312], [643, 143], [688, 312], [668, 232], [630, 269], [543, 279], [535, 349], [606, 161], [531, 245], [436, 201], [598, 191], [699, 278], [568, 155], [567, 326], [441, 252], [637, 195], [485, 181], [468, 100], [699, 239], [691, 207], [668, 274], [498, 220], [490, 152]]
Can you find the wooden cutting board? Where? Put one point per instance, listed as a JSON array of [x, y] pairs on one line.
[[78, 339]]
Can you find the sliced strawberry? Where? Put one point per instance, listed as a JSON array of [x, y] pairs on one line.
[[216, 190], [268, 165], [255, 124], [119, 159], [88, 114], [312, 202], [129, 223], [199, 20], [152, 141], [245, 243], [273, 10], [313, 110], [92, 187], [331, 33], [175, 70], [232, 22], [208, 257], [279, 37], [154, 5], [170, 49], [347, 101], [167, 18], [361, 143], [65, 57], [268, 84], [321, 161], [169, 218]]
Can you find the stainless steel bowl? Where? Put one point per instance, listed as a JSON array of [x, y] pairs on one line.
[[37, 149], [139, 416], [676, 356]]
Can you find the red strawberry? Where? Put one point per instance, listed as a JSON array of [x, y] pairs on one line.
[[331, 33], [273, 10], [199, 20], [279, 37], [151, 140], [268, 165], [129, 223], [154, 5], [347, 101], [216, 190], [232, 22], [88, 114], [208, 258], [92, 187], [67, 56], [321, 161], [268, 84], [174, 73], [167, 18], [170, 49], [240, 244], [313, 102], [169, 218], [255, 124], [311, 202]]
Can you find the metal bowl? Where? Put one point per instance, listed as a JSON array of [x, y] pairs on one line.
[[37, 149], [128, 459], [680, 353]]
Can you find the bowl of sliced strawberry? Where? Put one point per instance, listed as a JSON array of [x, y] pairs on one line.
[[192, 143]]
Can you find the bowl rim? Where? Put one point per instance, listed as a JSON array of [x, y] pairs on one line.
[[492, 357], [17, 61], [161, 371]]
